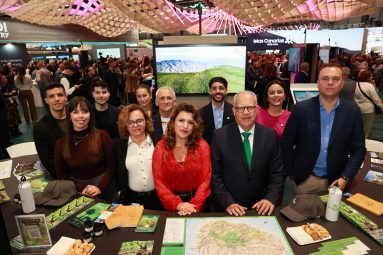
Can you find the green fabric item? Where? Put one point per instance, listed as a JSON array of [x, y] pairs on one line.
[[246, 143]]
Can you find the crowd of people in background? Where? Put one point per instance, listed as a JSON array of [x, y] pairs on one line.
[[143, 147]]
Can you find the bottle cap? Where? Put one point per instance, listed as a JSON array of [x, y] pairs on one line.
[[23, 178]]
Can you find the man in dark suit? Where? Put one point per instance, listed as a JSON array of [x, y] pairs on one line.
[[303, 75], [323, 142], [166, 101], [247, 168], [218, 112], [52, 126]]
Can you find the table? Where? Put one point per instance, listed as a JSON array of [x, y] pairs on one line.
[[110, 241]]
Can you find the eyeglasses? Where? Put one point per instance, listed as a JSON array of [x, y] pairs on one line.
[[327, 79], [249, 108], [138, 122]]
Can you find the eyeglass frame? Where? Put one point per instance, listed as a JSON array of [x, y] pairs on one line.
[[250, 108], [132, 123]]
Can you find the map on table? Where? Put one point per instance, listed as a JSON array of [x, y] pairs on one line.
[[224, 235]]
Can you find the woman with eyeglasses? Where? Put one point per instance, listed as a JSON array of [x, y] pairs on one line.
[[85, 155], [273, 115], [134, 150], [181, 163]]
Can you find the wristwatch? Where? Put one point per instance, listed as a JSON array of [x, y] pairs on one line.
[[346, 179]]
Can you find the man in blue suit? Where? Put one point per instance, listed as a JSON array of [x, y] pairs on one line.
[[247, 165], [323, 142]]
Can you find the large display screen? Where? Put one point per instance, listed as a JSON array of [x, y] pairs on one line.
[[338, 38], [112, 52], [296, 56], [188, 68]]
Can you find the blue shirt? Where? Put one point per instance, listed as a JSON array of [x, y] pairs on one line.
[[218, 115], [326, 121]]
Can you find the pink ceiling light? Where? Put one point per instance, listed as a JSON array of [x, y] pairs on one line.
[[82, 7], [215, 20]]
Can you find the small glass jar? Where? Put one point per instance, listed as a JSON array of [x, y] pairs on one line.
[[88, 226], [87, 237], [97, 230]]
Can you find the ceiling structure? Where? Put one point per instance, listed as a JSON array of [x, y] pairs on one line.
[[111, 18]]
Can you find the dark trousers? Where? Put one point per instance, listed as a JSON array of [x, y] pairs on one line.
[[149, 199]]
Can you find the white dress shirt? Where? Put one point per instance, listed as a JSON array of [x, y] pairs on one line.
[[139, 164]]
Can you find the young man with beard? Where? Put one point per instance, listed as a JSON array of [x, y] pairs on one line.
[[105, 113], [218, 112], [52, 126]]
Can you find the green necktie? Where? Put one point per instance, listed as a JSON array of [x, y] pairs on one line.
[[246, 143]]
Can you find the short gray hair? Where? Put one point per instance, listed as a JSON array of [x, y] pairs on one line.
[[168, 88], [346, 71], [245, 92]]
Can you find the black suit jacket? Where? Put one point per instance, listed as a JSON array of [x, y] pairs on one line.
[[208, 119], [157, 125], [45, 134], [232, 181], [301, 141], [121, 149]]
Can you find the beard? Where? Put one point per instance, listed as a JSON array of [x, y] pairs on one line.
[[213, 98]]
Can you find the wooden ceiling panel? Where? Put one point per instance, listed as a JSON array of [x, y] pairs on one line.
[[114, 17]]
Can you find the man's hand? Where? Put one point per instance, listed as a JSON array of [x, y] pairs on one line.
[[186, 208], [264, 207], [236, 209], [342, 183], [91, 190]]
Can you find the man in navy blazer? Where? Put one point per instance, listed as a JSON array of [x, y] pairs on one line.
[[246, 178], [218, 112], [323, 142]]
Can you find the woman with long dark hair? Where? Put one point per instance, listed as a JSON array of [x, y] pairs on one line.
[[272, 114], [24, 84], [181, 163], [85, 154], [12, 114], [269, 74]]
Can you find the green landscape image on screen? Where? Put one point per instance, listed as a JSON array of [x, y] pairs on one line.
[[185, 83], [189, 68]]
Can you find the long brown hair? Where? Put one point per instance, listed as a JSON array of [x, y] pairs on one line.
[[170, 137], [20, 74], [123, 119], [94, 138]]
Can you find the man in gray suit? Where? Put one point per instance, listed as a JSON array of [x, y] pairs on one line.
[[348, 90]]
